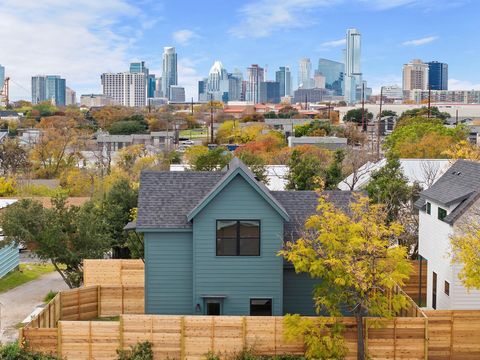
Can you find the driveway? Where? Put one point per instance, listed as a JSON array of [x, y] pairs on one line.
[[18, 303]]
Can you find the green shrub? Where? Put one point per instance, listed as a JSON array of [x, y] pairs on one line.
[[141, 351], [50, 295], [14, 352]]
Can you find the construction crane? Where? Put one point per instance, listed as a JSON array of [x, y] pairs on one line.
[[4, 92]]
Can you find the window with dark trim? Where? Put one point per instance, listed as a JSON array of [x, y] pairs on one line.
[[447, 288], [442, 213], [260, 307], [429, 208], [238, 237]]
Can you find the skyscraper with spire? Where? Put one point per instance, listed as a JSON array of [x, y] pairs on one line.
[[169, 71], [353, 70]]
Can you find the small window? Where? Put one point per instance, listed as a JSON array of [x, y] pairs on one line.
[[429, 208], [447, 288], [238, 238], [442, 213], [260, 307]]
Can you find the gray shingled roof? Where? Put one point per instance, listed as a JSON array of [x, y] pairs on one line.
[[461, 183], [165, 198]]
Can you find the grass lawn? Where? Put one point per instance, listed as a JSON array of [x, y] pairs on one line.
[[194, 133], [28, 272]]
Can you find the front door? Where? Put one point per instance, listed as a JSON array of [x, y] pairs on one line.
[[434, 290]]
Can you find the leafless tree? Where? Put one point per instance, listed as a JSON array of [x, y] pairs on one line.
[[430, 171], [358, 163]]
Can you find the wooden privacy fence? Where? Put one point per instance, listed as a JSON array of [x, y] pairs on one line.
[[192, 337]]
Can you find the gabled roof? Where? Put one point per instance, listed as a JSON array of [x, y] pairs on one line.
[[234, 168], [459, 185]]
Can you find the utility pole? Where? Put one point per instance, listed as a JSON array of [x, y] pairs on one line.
[[211, 118], [456, 117], [306, 102], [364, 125], [379, 124], [192, 107], [429, 100]]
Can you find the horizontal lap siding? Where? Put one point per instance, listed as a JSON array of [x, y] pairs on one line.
[[298, 293], [9, 259], [238, 278], [168, 273]]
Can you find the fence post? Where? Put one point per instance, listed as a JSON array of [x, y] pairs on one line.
[[121, 332], [244, 332], [426, 338], [452, 320], [59, 339], [78, 303], [394, 337], [182, 337], [90, 340], [366, 338], [212, 344], [123, 295], [275, 335]]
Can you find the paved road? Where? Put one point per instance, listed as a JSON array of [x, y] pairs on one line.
[[18, 303]]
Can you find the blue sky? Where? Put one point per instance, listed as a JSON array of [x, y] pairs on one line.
[[81, 39]]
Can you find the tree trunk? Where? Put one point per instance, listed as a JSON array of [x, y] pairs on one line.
[[360, 339]]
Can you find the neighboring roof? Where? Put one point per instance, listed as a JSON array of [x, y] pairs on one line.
[[318, 140], [6, 202], [234, 168], [460, 184], [7, 113], [423, 171]]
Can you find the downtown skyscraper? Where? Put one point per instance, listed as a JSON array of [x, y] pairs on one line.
[[169, 70], [353, 70], [255, 76], [284, 77], [437, 75], [49, 88], [126, 89], [305, 79], [2, 75]]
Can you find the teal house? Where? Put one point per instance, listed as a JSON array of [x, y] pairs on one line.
[[212, 239]]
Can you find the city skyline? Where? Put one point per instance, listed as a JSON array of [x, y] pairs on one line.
[[93, 38]]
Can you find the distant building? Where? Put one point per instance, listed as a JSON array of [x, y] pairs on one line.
[[71, 97], [438, 75], [49, 88], [305, 80], [177, 94], [158, 87], [270, 92], [255, 76], [326, 142], [415, 75], [353, 70], [95, 100], [235, 81], [319, 81], [393, 92], [444, 96], [169, 74], [202, 90], [127, 89], [334, 75], [151, 86], [312, 95], [284, 77], [218, 83], [138, 67], [2, 75]]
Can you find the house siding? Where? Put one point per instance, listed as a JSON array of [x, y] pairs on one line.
[[237, 278], [9, 259], [168, 273], [298, 293]]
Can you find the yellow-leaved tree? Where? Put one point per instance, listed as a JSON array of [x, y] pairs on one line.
[[352, 255]]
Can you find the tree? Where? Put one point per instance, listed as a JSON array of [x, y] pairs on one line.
[[389, 186], [13, 157], [463, 150], [256, 164], [355, 115], [306, 171], [127, 128], [350, 252], [213, 160], [388, 113], [357, 163], [334, 172], [423, 112], [64, 235], [466, 248], [315, 128]]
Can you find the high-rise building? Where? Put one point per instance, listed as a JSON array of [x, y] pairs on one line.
[[169, 73], [49, 88], [2, 75], [270, 92], [311, 95], [95, 100], [71, 97], [218, 83], [138, 67], [319, 81], [177, 94], [284, 77], [202, 90], [438, 75], [334, 73], [305, 74], [353, 69], [255, 76], [415, 75], [158, 87], [235, 81], [393, 92], [127, 89], [151, 86]]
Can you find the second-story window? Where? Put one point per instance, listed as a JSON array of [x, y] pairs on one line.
[[429, 208], [238, 238], [442, 213]]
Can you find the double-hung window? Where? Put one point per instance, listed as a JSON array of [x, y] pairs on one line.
[[238, 238]]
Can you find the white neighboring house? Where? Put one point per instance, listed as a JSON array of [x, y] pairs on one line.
[[442, 207], [423, 171]]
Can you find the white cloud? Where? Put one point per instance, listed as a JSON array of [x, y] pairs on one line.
[[184, 36], [77, 40], [262, 17], [390, 4], [455, 84], [334, 43], [419, 42]]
